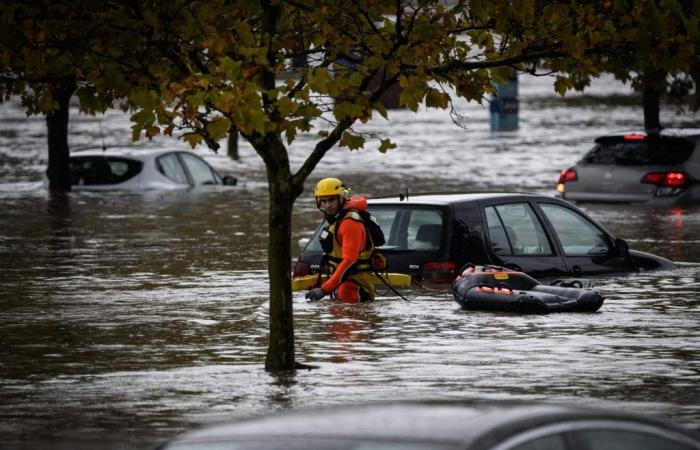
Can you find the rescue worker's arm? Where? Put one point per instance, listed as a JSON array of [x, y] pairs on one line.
[[351, 236]]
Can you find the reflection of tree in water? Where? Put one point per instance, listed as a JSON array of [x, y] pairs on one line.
[[60, 236], [281, 389]]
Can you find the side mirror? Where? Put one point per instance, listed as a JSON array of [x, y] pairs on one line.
[[621, 247], [229, 180]]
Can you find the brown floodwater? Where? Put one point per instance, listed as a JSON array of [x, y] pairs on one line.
[[128, 317]]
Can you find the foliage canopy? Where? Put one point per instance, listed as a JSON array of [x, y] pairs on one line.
[[277, 68]]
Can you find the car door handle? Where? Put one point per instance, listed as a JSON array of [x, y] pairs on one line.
[[576, 269]]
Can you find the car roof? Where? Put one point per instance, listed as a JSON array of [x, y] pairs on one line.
[[447, 199], [449, 422], [689, 133], [126, 152]]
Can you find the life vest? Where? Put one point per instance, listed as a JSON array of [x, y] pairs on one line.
[[361, 271]]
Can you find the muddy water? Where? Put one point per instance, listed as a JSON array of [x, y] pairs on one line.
[[125, 318]]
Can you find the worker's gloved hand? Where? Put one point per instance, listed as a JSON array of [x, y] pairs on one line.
[[315, 294]]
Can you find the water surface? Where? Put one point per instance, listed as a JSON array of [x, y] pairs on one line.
[[125, 318]]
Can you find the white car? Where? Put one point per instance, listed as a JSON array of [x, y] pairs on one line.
[[141, 169]]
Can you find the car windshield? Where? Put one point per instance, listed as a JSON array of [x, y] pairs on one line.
[[93, 170], [662, 151], [412, 228]]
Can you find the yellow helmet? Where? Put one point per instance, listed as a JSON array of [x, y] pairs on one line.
[[331, 186]]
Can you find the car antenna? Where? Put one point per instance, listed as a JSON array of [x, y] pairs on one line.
[[403, 195]]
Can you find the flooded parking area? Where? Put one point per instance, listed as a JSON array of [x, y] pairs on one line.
[[128, 317]]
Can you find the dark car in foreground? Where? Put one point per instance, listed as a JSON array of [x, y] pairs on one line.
[[132, 169], [637, 168], [426, 425], [430, 237]]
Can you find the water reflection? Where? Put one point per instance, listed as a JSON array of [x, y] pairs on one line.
[[348, 328]]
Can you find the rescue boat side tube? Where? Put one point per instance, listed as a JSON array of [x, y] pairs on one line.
[[493, 288]]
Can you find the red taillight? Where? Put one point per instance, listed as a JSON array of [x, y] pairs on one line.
[[439, 272], [665, 179], [675, 179], [634, 137], [301, 269], [567, 175]]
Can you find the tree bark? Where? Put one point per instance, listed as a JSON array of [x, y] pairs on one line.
[[58, 171], [654, 83], [280, 352], [652, 122], [232, 143]]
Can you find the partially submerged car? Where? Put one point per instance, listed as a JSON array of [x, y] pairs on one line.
[[445, 425], [430, 237], [141, 169], [636, 168]]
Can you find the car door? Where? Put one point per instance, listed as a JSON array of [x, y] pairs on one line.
[[516, 238], [587, 248]]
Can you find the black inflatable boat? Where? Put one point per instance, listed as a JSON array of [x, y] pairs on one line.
[[494, 288]]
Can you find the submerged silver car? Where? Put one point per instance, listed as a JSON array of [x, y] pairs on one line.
[[135, 169], [442, 425], [637, 168]]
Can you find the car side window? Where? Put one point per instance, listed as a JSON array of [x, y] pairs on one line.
[[627, 440], [102, 170], [387, 218], [424, 230], [169, 165], [200, 170], [515, 230], [578, 236]]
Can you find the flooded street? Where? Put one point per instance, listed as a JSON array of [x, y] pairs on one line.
[[126, 318]]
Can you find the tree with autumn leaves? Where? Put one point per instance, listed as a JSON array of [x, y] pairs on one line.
[[195, 69]]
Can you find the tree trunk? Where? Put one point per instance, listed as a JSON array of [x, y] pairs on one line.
[[232, 143], [652, 122], [58, 171], [654, 85], [280, 353]]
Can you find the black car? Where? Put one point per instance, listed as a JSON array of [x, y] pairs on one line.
[[446, 425], [431, 237]]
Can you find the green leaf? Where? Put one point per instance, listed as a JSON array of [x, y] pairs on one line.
[[561, 85], [218, 128], [319, 79], [351, 141], [386, 145], [231, 68], [436, 99], [193, 139]]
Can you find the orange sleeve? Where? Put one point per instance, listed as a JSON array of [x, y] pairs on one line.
[[351, 237]]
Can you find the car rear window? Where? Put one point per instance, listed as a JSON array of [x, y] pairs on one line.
[[661, 151], [98, 170]]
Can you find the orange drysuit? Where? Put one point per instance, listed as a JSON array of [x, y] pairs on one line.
[[350, 254]]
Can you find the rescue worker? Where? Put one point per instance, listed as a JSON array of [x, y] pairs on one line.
[[347, 243]]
